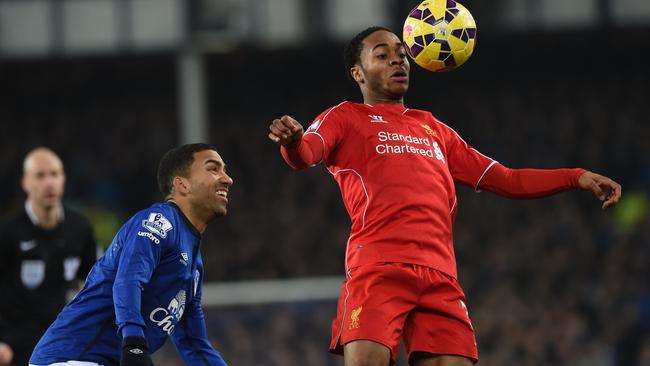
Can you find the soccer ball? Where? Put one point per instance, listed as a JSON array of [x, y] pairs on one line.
[[439, 35]]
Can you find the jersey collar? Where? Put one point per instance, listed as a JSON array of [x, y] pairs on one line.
[[395, 108], [187, 221], [32, 215]]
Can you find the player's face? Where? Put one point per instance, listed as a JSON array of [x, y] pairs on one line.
[[43, 179], [384, 69], [209, 182]]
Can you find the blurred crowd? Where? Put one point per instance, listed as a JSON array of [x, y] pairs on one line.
[[556, 281]]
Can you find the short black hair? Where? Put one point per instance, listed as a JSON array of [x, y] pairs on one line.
[[176, 162], [352, 51]]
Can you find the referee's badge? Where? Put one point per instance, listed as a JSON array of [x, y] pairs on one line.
[[32, 273]]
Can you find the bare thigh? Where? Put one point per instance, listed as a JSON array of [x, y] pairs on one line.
[[428, 359], [366, 353]]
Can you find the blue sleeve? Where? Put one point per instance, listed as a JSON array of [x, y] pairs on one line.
[[139, 254], [191, 339]]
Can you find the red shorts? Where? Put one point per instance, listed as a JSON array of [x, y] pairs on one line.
[[384, 302]]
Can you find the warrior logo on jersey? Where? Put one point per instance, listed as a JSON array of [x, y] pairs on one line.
[[166, 318], [157, 224], [377, 118]]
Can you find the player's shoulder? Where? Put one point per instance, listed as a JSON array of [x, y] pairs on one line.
[[421, 113], [342, 107], [160, 219]]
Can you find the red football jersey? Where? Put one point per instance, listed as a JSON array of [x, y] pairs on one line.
[[396, 169]]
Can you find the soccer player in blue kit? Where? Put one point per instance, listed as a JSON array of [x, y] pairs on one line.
[[147, 286]]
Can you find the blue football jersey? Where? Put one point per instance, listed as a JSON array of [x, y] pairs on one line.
[[150, 277]]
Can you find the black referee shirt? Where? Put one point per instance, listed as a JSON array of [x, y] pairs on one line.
[[37, 268]]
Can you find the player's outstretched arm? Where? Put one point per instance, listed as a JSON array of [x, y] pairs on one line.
[[297, 150], [607, 191], [536, 183], [285, 130]]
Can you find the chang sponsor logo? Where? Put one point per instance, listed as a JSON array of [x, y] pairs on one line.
[[166, 318]]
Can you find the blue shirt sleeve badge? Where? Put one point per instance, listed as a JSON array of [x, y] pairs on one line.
[[157, 224]]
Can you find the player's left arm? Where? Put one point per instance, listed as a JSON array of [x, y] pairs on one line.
[[190, 337], [470, 167], [534, 183]]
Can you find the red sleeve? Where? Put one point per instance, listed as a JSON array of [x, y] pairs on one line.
[[529, 183], [466, 164], [306, 152], [319, 141]]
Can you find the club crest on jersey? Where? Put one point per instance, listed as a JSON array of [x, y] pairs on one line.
[[315, 125], [429, 130], [374, 118], [166, 318], [354, 318], [157, 224]]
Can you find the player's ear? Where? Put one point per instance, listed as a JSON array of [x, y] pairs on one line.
[[181, 185], [356, 73]]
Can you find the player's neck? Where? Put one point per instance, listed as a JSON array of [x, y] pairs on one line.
[[48, 217], [195, 218], [374, 100]]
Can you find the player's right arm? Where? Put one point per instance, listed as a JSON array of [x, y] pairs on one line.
[[302, 149], [137, 257], [298, 150]]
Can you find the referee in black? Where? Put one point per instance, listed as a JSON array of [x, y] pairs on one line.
[[46, 251]]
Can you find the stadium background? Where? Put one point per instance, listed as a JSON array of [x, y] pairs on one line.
[[112, 84]]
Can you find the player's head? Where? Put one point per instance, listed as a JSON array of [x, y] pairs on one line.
[[376, 60], [43, 178], [197, 174]]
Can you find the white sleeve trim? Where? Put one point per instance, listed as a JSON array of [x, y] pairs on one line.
[[482, 175]]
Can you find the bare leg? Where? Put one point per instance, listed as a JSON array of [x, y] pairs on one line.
[[366, 353], [428, 359]]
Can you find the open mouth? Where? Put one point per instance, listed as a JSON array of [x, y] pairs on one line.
[[399, 75], [223, 193]]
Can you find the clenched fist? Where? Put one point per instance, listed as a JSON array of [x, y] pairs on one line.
[[285, 131]]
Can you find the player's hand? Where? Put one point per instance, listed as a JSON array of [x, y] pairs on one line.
[[285, 131], [607, 191], [135, 352], [6, 354]]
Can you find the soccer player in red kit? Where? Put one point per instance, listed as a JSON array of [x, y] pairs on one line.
[[396, 168]]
